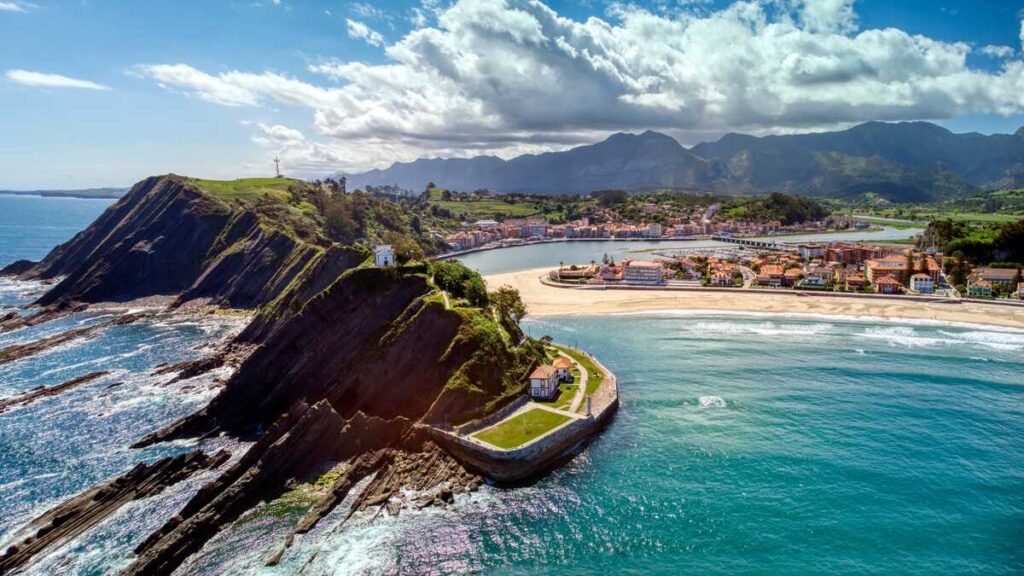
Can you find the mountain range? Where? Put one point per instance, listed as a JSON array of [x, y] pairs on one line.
[[902, 162]]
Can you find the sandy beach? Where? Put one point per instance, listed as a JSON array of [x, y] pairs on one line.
[[545, 300]]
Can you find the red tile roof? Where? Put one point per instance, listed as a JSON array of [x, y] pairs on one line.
[[543, 372]]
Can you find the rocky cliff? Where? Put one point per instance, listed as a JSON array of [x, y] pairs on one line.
[[347, 358], [167, 236]]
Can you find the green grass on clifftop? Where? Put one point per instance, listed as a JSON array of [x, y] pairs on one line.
[[247, 188]]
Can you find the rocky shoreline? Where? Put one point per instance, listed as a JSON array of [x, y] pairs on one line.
[[337, 365]]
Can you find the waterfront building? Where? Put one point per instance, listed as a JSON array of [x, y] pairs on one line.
[[888, 285], [922, 283], [815, 279], [383, 255], [894, 266], [544, 383], [642, 272], [1020, 290], [995, 275], [856, 281], [770, 275], [721, 279], [979, 288]]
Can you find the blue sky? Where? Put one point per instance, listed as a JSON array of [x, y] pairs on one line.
[[106, 92]]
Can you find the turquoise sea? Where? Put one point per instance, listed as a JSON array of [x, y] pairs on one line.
[[745, 444]]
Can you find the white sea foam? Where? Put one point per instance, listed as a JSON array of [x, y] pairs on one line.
[[911, 338], [711, 402], [761, 328], [845, 318]]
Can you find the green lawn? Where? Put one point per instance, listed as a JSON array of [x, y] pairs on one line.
[[522, 428], [247, 188], [594, 375]]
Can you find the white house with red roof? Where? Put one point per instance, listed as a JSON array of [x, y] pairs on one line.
[[544, 382]]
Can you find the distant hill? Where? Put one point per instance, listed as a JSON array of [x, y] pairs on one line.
[[84, 193], [902, 162], [629, 161], [906, 161]]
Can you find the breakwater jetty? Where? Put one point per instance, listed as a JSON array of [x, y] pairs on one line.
[[568, 433]]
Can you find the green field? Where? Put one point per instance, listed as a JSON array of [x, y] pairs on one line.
[[247, 188], [522, 428], [485, 208], [978, 217]]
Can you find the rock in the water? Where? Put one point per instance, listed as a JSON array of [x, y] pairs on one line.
[[19, 351], [45, 391], [73, 517]]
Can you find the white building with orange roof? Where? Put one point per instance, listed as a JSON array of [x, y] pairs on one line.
[[562, 367], [544, 382]]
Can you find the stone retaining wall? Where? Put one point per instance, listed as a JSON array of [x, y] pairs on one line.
[[493, 418], [533, 459]]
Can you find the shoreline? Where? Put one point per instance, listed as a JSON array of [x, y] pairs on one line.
[[695, 238], [548, 301]]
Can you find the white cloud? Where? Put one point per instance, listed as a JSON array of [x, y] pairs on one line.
[[998, 51], [11, 7], [278, 136], [828, 15], [510, 76], [40, 79], [363, 32], [370, 11]]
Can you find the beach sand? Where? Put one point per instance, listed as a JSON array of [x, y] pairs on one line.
[[543, 300]]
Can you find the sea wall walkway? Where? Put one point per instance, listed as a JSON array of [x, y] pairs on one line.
[[530, 460]]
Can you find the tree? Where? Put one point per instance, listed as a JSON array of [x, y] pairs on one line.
[[476, 291], [417, 225], [405, 248], [1009, 242], [959, 269], [509, 304]]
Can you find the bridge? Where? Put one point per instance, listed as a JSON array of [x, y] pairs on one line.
[[763, 244]]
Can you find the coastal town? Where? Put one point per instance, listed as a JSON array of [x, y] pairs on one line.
[[655, 222], [847, 267]]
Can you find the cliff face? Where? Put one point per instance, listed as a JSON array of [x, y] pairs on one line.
[[378, 342], [346, 358], [166, 237]]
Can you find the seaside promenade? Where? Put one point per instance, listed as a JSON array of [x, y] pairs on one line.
[[548, 300]]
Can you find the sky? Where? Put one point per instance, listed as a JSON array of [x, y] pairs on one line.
[[107, 92]]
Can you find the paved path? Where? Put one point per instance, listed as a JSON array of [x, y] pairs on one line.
[[581, 386]]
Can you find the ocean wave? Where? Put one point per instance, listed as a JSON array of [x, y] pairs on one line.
[[711, 402], [760, 328], [845, 318], [912, 338]]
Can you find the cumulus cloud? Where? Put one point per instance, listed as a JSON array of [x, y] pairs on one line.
[[508, 76], [278, 136], [998, 51], [43, 80], [364, 32]]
